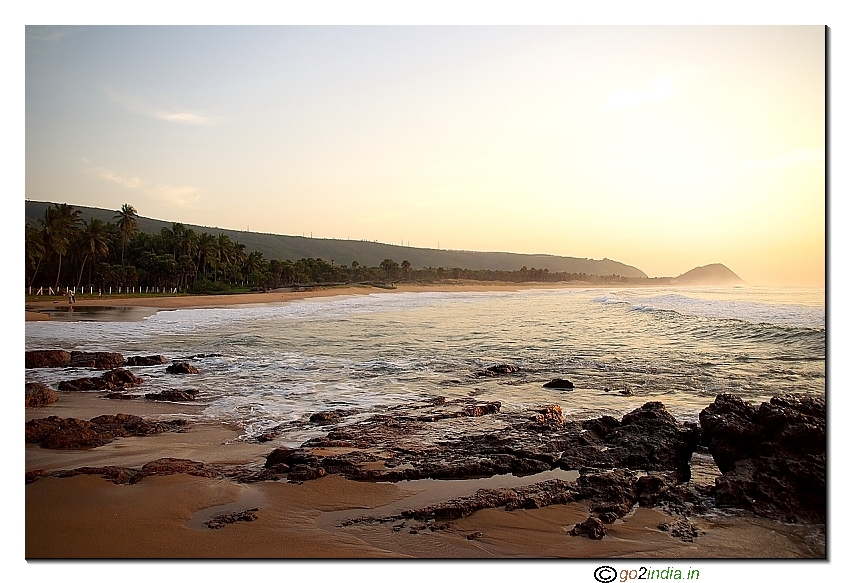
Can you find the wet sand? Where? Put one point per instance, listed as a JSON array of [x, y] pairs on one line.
[[162, 516]]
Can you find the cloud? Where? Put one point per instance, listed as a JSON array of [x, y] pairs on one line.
[[811, 157], [175, 115], [628, 98], [183, 196]]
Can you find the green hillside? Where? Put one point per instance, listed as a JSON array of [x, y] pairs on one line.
[[341, 251]]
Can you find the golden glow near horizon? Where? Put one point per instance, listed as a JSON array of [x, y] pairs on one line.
[[665, 148]]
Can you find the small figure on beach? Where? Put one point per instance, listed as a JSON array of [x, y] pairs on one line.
[[100, 292]]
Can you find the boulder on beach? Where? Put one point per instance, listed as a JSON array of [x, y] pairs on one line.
[[145, 360], [46, 358], [499, 370], [558, 384], [56, 433], [592, 528], [173, 395], [773, 456], [99, 360], [182, 368], [121, 378], [40, 395], [113, 380], [86, 384]]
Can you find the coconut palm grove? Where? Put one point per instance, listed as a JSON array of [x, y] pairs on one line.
[[65, 252]]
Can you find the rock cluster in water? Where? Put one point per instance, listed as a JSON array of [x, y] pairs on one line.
[[56, 433]]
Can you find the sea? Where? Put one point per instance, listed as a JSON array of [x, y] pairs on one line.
[[269, 365]]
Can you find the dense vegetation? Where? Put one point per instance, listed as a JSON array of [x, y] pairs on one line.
[[63, 250]]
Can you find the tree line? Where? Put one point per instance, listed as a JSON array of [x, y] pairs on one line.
[[63, 250]]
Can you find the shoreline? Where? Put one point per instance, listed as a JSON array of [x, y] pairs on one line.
[[273, 296]]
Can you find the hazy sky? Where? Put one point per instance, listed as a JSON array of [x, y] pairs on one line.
[[662, 147]]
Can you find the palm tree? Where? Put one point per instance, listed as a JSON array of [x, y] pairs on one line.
[[93, 243], [58, 226], [126, 225], [35, 251], [207, 251]]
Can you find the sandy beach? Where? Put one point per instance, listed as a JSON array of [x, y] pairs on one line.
[[163, 516], [34, 304], [87, 516]]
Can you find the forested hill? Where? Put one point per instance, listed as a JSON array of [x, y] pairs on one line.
[[714, 274], [341, 251]]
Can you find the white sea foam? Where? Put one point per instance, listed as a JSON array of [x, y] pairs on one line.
[[790, 315]]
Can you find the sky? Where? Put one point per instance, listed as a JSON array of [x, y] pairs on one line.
[[664, 147]]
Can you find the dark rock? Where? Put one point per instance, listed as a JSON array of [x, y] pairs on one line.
[[121, 378], [146, 360], [559, 384], [223, 519], [592, 528], [474, 535], [334, 416], [182, 368], [773, 457], [438, 401], [681, 529], [86, 384], [650, 438], [173, 395], [39, 395], [601, 426], [499, 370], [303, 473], [46, 358], [280, 455], [730, 430], [56, 433], [99, 360]]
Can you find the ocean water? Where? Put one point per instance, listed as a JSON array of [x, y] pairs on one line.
[[620, 347]]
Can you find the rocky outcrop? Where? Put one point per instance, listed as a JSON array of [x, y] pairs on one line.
[[559, 384], [648, 438], [46, 358], [86, 384], [40, 395], [182, 368], [499, 370], [99, 360], [773, 457], [173, 395], [113, 380], [591, 528], [221, 520], [121, 378], [56, 433], [331, 417], [145, 360], [122, 475]]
